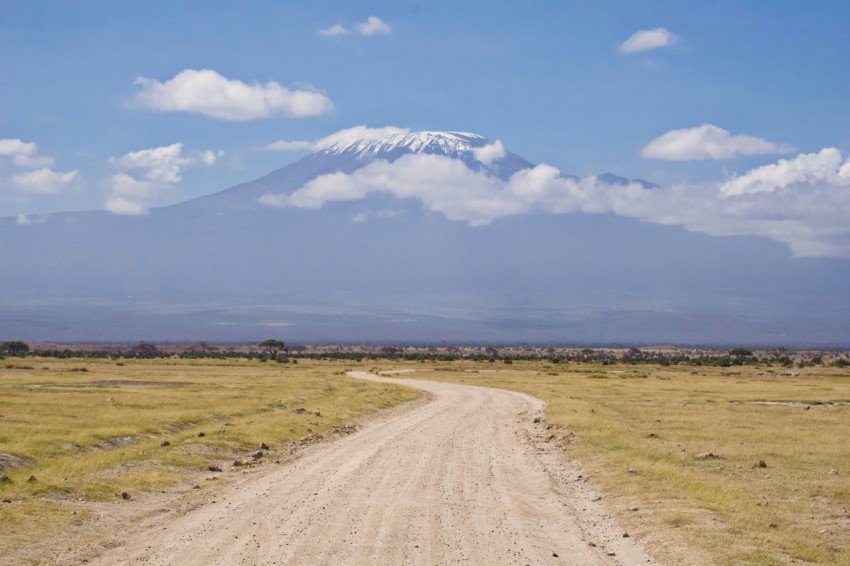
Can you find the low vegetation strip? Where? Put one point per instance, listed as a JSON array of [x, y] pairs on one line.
[[746, 466], [120, 429]]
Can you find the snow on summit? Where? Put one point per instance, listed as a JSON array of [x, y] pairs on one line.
[[398, 140]]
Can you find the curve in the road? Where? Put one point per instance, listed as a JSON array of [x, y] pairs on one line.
[[462, 479]]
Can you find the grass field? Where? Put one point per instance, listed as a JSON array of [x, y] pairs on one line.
[[678, 452], [91, 430]]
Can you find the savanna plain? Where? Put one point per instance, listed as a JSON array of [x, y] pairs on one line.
[[714, 465]]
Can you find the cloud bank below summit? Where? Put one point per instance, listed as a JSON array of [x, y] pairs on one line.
[[800, 202]]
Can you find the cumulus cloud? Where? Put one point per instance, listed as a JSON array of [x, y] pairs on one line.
[[23, 154], [647, 40], [373, 26], [442, 184], [334, 30], [159, 164], [489, 153], [43, 181], [147, 173], [206, 92], [381, 214], [32, 162], [39, 178], [125, 207], [707, 142], [12, 147], [809, 213], [284, 145], [209, 157], [806, 169], [345, 136]]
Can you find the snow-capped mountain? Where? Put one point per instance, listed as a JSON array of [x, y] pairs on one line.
[[347, 154], [382, 266]]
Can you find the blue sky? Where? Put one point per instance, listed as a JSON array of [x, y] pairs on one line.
[[550, 79]]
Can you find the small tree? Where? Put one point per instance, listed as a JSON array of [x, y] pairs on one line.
[[740, 352], [145, 350], [271, 347], [14, 348]]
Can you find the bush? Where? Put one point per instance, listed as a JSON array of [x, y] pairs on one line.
[[14, 348], [740, 352]]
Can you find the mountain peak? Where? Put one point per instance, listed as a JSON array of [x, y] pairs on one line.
[[400, 141]]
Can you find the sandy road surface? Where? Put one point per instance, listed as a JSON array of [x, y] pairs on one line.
[[462, 479]]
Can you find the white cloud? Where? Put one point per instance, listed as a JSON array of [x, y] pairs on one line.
[[23, 220], [155, 169], [125, 207], [345, 136], [43, 181], [283, 145], [160, 164], [23, 154], [443, 185], [207, 92], [381, 214], [807, 168], [209, 157], [647, 40], [810, 215], [124, 185], [489, 153], [12, 147], [334, 30], [373, 26], [707, 142], [30, 162], [29, 172]]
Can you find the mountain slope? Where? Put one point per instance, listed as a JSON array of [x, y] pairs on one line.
[[225, 267]]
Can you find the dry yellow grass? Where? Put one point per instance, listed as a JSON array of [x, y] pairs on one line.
[[643, 433], [639, 433], [92, 429]]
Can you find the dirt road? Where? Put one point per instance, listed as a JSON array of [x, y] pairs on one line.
[[465, 478]]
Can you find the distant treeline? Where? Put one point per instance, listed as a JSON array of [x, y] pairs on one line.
[[276, 351]]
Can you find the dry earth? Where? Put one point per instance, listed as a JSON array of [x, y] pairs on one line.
[[467, 477]]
